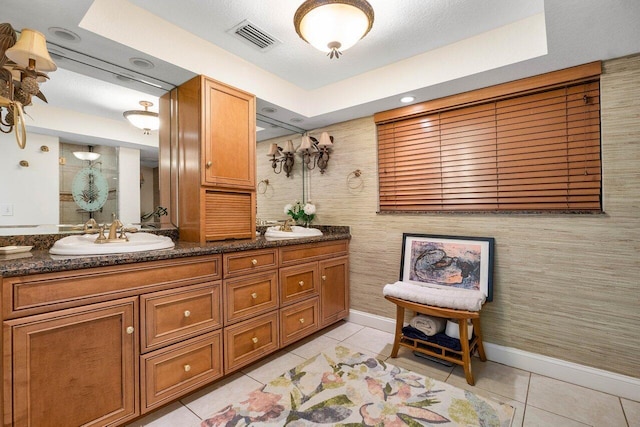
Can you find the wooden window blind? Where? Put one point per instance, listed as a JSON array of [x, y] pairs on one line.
[[538, 151]]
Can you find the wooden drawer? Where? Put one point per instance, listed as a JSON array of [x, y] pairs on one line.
[[249, 296], [171, 372], [298, 320], [249, 341], [314, 251], [39, 293], [298, 282], [247, 262], [174, 315]]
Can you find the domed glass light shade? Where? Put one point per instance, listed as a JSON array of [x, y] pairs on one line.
[[333, 26]]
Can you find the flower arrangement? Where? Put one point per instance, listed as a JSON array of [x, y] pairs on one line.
[[301, 213]]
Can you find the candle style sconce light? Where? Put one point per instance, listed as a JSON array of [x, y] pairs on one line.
[[282, 159], [316, 152]]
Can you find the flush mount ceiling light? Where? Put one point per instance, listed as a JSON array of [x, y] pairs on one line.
[[145, 120], [407, 99], [333, 26], [86, 155]]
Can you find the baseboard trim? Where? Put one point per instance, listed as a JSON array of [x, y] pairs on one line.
[[597, 379]]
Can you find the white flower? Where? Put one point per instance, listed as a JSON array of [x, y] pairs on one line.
[[287, 208], [309, 209]]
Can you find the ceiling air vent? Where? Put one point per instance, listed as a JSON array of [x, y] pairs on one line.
[[248, 32]]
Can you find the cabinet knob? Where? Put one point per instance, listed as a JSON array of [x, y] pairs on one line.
[[187, 313], [209, 164], [324, 277], [254, 261], [254, 295], [255, 340], [187, 368], [301, 320], [130, 330], [301, 283]]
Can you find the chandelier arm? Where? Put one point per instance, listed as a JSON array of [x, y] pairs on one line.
[[21, 131]]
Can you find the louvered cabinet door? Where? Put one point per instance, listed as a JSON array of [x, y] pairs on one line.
[[229, 215]]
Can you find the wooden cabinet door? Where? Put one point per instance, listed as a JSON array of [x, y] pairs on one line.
[[229, 137], [75, 367], [334, 290]]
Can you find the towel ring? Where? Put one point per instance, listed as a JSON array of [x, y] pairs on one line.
[[265, 185], [356, 176]]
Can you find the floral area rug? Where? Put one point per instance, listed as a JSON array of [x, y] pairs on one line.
[[343, 388]]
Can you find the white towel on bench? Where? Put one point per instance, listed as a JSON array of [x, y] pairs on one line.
[[455, 298]]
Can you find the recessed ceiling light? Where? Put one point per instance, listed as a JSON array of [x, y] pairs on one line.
[[268, 110], [296, 120], [64, 34], [407, 99], [123, 78], [141, 63]]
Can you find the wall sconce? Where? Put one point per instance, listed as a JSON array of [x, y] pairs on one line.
[[282, 159], [23, 62], [318, 151]]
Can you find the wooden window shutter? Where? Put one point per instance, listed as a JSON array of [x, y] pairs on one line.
[[532, 151]]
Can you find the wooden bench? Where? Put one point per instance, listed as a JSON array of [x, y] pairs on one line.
[[462, 357]]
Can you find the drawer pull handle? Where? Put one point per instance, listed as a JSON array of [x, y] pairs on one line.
[[324, 277], [209, 164], [254, 261], [130, 330], [254, 295], [302, 321], [187, 368], [255, 340], [187, 313], [301, 283]]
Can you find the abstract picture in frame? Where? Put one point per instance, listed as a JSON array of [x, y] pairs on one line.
[[448, 261]]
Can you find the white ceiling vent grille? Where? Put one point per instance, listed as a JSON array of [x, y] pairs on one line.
[[248, 32]]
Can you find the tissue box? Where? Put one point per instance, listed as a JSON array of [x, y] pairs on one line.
[[452, 330]]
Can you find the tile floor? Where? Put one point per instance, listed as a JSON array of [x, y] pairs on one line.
[[539, 400]]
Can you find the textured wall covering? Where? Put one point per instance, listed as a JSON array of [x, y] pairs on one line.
[[565, 286]]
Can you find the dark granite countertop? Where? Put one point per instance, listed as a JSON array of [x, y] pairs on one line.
[[40, 261]]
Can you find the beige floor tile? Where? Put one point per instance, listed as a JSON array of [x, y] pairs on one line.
[[407, 360], [273, 366], [310, 347], [215, 397], [373, 340], [342, 330], [632, 412], [496, 378], [535, 417], [577, 403], [174, 415]]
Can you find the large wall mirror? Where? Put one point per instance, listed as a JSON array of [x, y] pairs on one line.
[[58, 191]]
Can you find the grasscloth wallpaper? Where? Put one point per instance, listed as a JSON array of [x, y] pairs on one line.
[[565, 286]]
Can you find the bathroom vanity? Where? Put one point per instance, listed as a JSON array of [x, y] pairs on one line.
[[103, 340]]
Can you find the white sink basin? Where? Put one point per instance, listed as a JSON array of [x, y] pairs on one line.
[[85, 244], [297, 232]]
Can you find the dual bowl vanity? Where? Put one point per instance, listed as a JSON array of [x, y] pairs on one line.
[[105, 339]]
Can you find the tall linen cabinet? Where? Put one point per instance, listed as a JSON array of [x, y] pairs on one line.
[[208, 160]]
